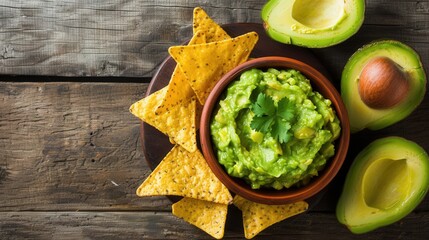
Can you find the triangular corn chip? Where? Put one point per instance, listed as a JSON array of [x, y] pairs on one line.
[[178, 122], [257, 217], [178, 89], [205, 64], [202, 22], [145, 106], [186, 174], [208, 216]]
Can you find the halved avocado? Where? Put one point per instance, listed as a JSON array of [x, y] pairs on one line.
[[386, 181], [310, 23], [406, 60]]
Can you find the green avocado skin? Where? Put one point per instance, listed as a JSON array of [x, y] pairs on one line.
[[350, 205], [282, 28], [361, 116]]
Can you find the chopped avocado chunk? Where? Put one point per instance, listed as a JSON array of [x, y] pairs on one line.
[[408, 61], [386, 181], [312, 23]]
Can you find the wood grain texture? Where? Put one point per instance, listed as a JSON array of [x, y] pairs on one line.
[[131, 37], [75, 146], [163, 225], [71, 146], [100, 38], [70, 152]]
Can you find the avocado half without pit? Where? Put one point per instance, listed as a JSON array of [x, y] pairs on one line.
[[381, 84], [385, 182], [310, 23]]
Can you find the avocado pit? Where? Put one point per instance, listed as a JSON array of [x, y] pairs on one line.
[[382, 83]]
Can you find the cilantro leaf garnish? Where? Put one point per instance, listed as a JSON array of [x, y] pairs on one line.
[[286, 109], [262, 123], [281, 131], [264, 105], [271, 118]]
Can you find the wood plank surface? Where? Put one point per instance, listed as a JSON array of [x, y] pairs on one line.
[[75, 146], [65, 152], [101, 37], [130, 38], [70, 152], [71, 146], [162, 225]]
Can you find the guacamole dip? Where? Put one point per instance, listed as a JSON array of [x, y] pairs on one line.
[[273, 130]]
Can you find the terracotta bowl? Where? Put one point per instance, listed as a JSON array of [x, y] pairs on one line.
[[271, 196]]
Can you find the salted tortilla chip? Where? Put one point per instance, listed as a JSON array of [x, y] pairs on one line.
[[202, 22], [205, 64], [178, 89], [178, 122], [186, 174], [257, 217], [208, 216], [150, 102]]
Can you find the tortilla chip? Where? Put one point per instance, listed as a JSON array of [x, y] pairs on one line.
[[257, 217], [178, 122], [202, 22], [208, 216], [143, 108], [178, 89], [205, 64], [186, 174]]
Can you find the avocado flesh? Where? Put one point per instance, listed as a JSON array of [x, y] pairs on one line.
[[312, 23], [386, 181], [361, 116]]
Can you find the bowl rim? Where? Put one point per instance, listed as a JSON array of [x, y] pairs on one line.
[[318, 82]]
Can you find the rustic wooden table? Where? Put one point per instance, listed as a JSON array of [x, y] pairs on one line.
[[70, 152]]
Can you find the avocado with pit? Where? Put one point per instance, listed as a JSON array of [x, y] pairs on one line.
[[386, 181], [381, 84], [313, 24]]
